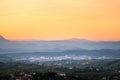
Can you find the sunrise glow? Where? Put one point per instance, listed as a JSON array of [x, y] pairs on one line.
[[60, 19]]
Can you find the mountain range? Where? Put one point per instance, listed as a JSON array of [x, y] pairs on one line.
[[7, 46]]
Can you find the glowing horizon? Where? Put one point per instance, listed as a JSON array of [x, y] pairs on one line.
[[60, 19]]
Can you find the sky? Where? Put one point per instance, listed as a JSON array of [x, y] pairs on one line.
[[60, 19]]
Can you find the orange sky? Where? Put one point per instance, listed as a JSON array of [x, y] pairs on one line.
[[60, 19]]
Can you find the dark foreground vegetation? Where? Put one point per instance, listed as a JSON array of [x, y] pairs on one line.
[[61, 70]]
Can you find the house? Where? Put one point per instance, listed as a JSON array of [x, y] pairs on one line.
[[61, 74]]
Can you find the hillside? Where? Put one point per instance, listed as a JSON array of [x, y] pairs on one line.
[[7, 46]]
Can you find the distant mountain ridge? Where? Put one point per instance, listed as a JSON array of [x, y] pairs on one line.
[[7, 46], [2, 38]]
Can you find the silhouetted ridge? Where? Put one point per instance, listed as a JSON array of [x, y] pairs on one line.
[[79, 39], [2, 38]]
